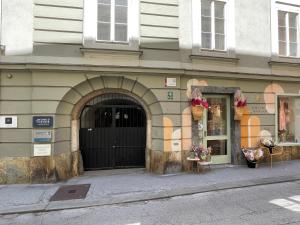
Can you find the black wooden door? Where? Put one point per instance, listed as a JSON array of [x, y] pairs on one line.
[[117, 139]]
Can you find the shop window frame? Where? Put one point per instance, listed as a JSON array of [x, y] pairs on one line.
[[277, 119]]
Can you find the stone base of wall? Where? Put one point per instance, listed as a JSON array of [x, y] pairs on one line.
[[67, 165], [156, 162], [289, 153], [165, 162], [15, 170]]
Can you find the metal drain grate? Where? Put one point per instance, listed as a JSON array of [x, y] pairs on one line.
[[68, 192]]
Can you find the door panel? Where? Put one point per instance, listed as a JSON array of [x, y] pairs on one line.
[[118, 139], [217, 128]]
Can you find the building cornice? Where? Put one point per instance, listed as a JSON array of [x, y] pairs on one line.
[[111, 69]]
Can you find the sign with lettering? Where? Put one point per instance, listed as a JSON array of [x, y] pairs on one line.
[[8, 122], [41, 149], [42, 136], [42, 121]]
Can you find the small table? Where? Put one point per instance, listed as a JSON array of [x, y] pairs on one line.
[[193, 162], [198, 163]]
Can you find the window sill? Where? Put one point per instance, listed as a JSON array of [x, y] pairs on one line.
[[132, 45], [210, 54], [224, 58], [111, 51], [292, 61]]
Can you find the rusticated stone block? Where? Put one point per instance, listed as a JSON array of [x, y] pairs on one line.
[[42, 170], [295, 152], [17, 170], [157, 162], [287, 153], [14, 170], [185, 163], [63, 166], [172, 162], [2, 172], [77, 164]]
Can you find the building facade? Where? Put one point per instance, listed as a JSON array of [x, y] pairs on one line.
[[98, 84]]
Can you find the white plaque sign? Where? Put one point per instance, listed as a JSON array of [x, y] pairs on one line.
[[170, 82], [42, 135], [41, 149], [8, 122]]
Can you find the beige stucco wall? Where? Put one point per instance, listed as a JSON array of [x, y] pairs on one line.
[[56, 93]]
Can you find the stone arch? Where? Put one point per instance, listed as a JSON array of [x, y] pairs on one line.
[[75, 99]]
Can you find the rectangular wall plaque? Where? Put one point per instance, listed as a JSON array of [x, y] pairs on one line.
[[170, 82], [8, 122], [41, 149], [42, 121], [42, 136]]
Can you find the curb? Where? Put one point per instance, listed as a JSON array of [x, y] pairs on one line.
[[78, 204]]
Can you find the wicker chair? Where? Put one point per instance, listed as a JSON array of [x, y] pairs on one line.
[[276, 152]]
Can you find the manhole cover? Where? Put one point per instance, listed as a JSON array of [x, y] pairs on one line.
[[68, 192]]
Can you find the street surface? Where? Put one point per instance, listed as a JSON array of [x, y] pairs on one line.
[[268, 204]]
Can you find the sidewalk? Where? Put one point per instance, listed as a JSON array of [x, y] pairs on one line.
[[122, 186]]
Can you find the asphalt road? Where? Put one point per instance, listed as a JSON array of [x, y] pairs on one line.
[[268, 204]]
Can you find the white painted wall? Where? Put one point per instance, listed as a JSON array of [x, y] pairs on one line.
[[17, 26], [253, 27]]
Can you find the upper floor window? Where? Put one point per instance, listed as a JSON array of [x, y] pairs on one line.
[[213, 27], [287, 33], [111, 24], [213, 24], [285, 28], [112, 20]]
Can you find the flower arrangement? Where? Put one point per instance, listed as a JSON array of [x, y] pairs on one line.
[[239, 103], [198, 104], [267, 142], [252, 155], [198, 152]]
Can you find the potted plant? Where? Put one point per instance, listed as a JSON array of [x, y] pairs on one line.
[[239, 104], [252, 156], [200, 153]]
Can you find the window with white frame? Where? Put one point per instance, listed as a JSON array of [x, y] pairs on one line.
[[287, 33], [213, 27], [288, 108], [285, 28], [112, 20], [111, 24], [213, 24]]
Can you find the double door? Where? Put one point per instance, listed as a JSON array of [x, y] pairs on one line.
[[117, 138]]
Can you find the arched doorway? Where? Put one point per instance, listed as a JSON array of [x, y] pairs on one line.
[[112, 132]]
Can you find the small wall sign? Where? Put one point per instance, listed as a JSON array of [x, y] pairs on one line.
[[8, 122], [42, 136], [41, 149], [170, 82], [42, 121], [170, 95]]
